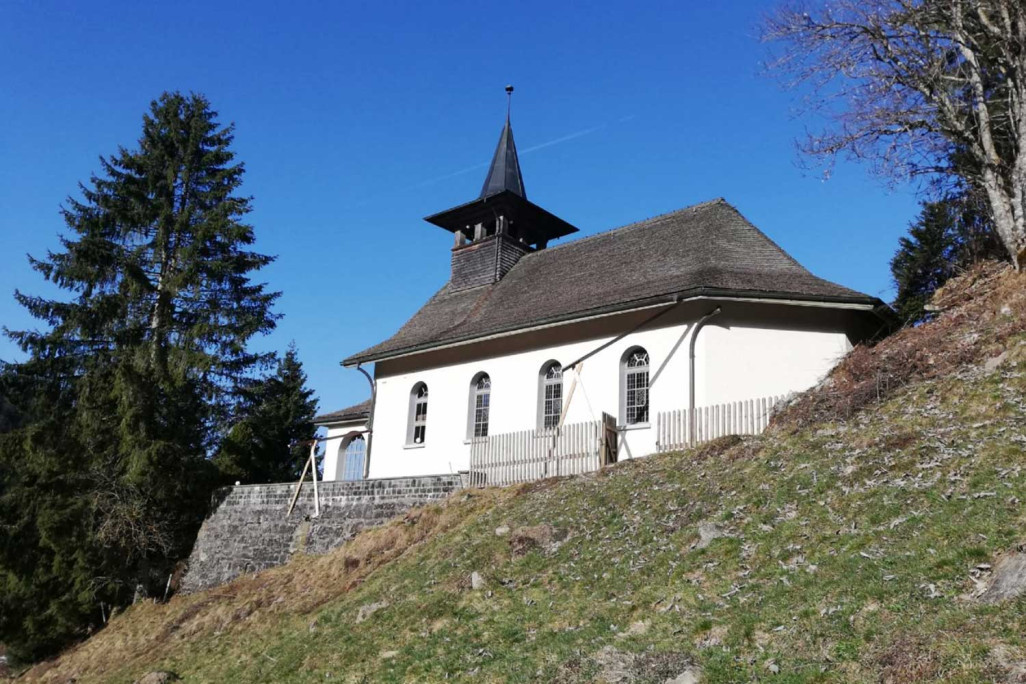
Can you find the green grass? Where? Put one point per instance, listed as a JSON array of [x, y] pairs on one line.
[[848, 559]]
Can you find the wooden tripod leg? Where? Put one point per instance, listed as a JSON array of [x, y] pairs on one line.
[[299, 486]]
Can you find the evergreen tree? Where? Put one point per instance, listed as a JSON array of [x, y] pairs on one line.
[[127, 389], [277, 413], [948, 236]]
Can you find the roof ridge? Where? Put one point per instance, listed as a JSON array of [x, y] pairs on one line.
[[636, 224]]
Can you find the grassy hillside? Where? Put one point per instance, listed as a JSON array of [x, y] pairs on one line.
[[847, 544]]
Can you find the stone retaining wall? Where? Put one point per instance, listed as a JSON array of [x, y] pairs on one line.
[[247, 530]]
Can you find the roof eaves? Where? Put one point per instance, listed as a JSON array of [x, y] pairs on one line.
[[865, 302], [349, 414]]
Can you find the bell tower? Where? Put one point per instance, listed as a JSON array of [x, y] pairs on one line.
[[492, 232]]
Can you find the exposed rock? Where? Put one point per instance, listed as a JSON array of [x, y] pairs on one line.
[[158, 677], [388, 655], [692, 675], [369, 609], [477, 582], [993, 362], [1008, 579], [502, 530], [707, 532]]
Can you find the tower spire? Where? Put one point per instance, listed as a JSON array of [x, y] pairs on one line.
[[504, 171]]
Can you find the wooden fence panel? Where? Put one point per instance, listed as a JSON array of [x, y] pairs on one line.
[[527, 455], [747, 417], [576, 448]]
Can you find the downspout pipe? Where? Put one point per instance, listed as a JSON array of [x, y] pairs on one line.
[[691, 373], [370, 419]]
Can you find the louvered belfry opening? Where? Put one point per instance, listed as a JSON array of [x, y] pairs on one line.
[[492, 232]]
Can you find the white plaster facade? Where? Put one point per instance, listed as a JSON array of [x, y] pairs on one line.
[[749, 350]]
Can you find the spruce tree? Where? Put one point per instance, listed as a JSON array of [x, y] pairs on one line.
[[949, 235], [277, 413], [128, 385]]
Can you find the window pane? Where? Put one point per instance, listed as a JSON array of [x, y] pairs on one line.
[[636, 395], [353, 464]]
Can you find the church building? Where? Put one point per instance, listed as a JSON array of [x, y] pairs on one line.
[[646, 337]]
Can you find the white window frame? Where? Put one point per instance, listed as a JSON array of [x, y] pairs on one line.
[[629, 375], [479, 406], [416, 430], [546, 419]]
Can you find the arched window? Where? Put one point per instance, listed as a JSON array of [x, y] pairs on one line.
[[417, 426], [480, 401], [634, 386], [550, 395], [353, 455]]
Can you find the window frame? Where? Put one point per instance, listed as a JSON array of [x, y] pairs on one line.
[[544, 382], [473, 408], [626, 371], [343, 470], [414, 420]]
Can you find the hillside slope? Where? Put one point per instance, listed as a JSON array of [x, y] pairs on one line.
[[849, 543]]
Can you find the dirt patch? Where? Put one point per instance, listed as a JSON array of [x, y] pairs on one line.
[[898, 441], [160, 677], [907, 661], [1009, 662], [525, 539], [616, 666], [715, 448]]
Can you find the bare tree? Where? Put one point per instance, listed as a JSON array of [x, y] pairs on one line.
[[920, 88]]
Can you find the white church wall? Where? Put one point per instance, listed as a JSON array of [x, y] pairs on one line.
[[737, 357], [742, 362]]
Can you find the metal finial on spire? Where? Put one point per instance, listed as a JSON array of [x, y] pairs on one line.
[[509, 100]]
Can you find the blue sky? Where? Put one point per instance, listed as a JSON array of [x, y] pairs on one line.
[[355, 120]]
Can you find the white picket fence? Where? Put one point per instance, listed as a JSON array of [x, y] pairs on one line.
[[528, 455], [749, 417]]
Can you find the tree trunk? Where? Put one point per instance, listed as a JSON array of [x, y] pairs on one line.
[[1008, 218]]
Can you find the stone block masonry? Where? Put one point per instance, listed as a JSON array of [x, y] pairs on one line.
[[247, 531]]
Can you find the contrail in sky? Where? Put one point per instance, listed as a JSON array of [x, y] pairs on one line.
[[569, 136], [533, 148]]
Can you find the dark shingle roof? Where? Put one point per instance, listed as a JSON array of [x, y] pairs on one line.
[[706, 249], [355, 412], [504, 171]]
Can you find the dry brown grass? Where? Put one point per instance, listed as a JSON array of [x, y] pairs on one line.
[[907, 661], [980, 310], [147, 630]]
